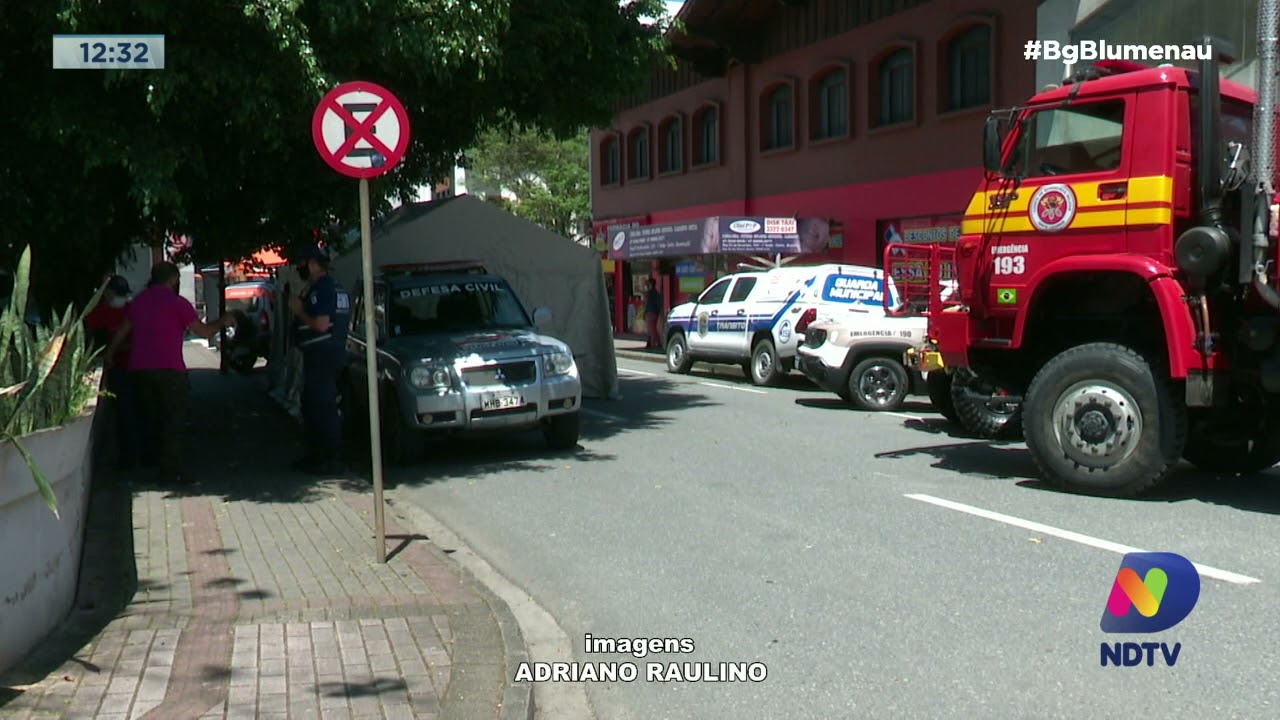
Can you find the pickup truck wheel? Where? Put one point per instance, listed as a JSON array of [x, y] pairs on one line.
[[562, 431], [938, 385], [1099, 421], [979, 410], [878, 383], [764, 363], [400, 445], [678, 360]]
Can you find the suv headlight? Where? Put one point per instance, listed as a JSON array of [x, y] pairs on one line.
[[557, 363], [428, 377]]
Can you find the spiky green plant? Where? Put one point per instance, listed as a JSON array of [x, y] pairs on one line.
[[46, 373]]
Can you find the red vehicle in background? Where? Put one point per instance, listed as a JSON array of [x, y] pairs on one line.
[[253, 304], [1114, 274]]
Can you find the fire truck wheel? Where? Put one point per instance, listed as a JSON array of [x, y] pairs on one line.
[[938, 383], [678, 360], [979, 409], [764, 363], [878, 383], [1099, 421], [1244, 456]]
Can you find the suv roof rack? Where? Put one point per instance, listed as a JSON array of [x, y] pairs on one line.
[[471, 267]]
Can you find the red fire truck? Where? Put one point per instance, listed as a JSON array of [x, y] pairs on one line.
[[1115, 276]]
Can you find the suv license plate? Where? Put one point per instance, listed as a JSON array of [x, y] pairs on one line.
[[502, 402]]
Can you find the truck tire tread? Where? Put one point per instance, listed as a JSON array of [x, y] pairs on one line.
[[1157, 400]]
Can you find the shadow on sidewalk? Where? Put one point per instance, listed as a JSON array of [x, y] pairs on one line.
[[240, 445]]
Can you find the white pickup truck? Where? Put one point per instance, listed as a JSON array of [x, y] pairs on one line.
[[861, 360], [757, 319]]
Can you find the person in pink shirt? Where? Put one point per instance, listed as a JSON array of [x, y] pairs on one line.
[[158, 321]]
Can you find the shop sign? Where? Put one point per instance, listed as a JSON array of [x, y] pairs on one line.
[[912, 269], [733, 235]]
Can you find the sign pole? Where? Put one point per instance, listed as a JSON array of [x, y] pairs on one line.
[[371, 362], [364, 147]]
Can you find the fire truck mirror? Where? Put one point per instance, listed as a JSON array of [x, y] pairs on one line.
[[991, 141]]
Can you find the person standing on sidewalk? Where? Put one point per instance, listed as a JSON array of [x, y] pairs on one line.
[[653, 314], [323, 312], [157, 322], [103, 322]]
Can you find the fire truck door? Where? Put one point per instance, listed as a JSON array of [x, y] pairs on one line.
[[1072, 200]]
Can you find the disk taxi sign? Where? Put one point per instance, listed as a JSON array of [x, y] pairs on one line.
[[360, 129]]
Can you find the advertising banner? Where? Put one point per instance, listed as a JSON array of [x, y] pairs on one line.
[[600, 230], [735, 235]]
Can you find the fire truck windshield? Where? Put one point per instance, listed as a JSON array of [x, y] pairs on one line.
[[1080, 138]]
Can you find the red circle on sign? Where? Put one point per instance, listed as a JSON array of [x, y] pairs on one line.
[[357, 131]]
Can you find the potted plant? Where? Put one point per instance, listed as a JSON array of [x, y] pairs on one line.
[[46, 373]]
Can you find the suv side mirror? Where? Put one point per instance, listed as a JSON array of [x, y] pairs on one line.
[[991, 142], [541, 316]]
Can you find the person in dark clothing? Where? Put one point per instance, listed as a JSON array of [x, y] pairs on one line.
[[103, 322], [653, 314], [323, 312]]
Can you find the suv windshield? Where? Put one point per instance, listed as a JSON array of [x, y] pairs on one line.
[[248, 305], [436, 307]]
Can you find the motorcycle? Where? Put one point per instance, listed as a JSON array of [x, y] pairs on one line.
[[243, 346]]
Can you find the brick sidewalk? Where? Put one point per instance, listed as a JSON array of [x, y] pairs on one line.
[[258, 596]]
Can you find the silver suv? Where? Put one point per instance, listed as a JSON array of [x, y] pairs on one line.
[[458, 352]]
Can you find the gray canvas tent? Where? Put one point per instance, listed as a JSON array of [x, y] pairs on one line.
[[545, 270]]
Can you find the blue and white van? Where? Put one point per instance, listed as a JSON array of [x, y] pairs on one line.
[[757, 319]]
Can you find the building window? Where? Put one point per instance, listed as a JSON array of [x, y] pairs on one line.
[[638, 155], [779, 119], [896, 74], [707, 136], [969, 69], [671, 146], [610, 162], [831, 107]]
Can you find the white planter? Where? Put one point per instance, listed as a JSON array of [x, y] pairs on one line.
[[40, 554]]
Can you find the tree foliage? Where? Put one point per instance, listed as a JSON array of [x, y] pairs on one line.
[[550, 177], [217, 145]]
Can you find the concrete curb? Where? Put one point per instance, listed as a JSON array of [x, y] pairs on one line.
[[641, 355], [518, 699]]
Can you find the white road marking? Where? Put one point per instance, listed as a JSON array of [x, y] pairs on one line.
[[732, 387], [917, 418], [629, 371], [605, 415], [1204, 570]]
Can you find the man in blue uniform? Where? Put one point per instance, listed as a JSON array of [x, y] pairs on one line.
[[323, 313]]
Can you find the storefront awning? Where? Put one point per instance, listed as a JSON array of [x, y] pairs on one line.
[[713, 235]]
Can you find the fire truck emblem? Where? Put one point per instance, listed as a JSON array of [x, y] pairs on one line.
[[1053, 207]]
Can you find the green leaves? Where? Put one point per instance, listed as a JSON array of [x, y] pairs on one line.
[[550, 176], [220, 139], [44, 373]]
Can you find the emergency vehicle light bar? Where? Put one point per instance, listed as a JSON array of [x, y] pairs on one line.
[[474, 267]]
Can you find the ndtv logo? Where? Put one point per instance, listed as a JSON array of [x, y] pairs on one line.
[[1152, 592]]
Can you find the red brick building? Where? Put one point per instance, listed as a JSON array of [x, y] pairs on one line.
[[867, 113]]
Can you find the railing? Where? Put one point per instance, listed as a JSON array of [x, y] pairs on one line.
[[924, 276]]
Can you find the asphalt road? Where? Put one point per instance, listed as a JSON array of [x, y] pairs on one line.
[[778, 526]]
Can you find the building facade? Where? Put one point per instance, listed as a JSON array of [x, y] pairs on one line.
[[865, 115]]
